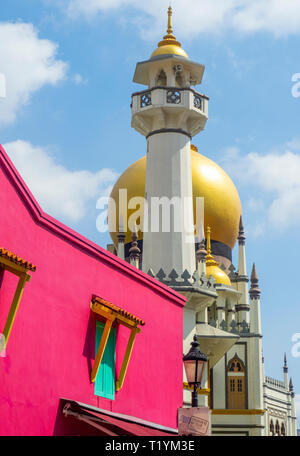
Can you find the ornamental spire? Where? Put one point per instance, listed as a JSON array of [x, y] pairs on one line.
[[134, 251], [254, 290], [285, 366], [170, 29], [241, 236], [169, 38], [210, 261], [201, 252], [291, 387]]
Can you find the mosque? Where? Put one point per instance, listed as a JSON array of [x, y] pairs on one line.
[[221, 308]]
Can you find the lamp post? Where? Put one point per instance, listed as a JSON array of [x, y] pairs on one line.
[[194, 362]]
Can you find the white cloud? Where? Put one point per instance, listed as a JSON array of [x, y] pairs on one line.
[[28, 64], [274, 180], [60, 192], [78, 79], [191, 18]]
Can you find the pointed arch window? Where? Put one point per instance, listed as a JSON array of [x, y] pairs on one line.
[[236, 390], [282, 429], [161, 79], [178, 80]]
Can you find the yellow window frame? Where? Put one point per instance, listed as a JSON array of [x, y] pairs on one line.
[[112, 316], [22, 272]]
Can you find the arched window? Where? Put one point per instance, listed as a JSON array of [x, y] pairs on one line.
[[179, 80], [272, 430], [161, 79], [277, 428], [236, 393], [282, 429]]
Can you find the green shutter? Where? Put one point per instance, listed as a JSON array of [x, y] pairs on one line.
[[105, 381]]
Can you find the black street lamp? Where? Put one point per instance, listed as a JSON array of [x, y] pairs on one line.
[[194, 362]]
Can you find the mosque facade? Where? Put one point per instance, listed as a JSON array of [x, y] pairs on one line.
[[223, 304]]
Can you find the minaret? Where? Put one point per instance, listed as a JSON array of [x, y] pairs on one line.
[[169, 113], [255, 365], [201, 253], [121, 239], [134, 251], [242, 279], [293, 410], [285, 372], [254, 292]]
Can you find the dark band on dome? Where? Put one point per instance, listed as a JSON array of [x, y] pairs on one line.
[[169, 130], [218, 248]]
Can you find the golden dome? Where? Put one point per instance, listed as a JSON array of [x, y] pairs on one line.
[[222, 206], [219, 275], [169, 45], [169, 48], [212, 267]]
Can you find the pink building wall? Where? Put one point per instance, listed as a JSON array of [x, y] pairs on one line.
[[51, 348]]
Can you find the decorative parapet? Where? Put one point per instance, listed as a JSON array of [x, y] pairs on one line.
[[233, 327], [232, 274], [245, 327], [274, 383], [186, 282]]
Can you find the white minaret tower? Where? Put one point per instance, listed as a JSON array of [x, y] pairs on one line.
[[255, 367], [121, 240], [242, 307], [169, 113]]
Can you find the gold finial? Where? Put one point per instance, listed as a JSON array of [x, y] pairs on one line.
[[208, 240], [169, 44], [169, 29], [170, 35], [210, 261]]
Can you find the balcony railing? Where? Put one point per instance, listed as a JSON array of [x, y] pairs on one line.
[[274, 382], [172, 96]]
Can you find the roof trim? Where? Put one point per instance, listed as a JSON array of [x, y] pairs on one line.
[[67, 234]]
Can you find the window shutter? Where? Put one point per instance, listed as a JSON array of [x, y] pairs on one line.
[[105, 381]]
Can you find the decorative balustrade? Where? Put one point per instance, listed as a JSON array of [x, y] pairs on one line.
[[274, 382], [172, 96], [198, 102], [145, 99], [185, 280]]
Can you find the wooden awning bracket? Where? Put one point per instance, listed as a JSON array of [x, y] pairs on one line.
[[10, 265]]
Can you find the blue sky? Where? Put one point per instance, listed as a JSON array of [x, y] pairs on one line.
[[69, 66]]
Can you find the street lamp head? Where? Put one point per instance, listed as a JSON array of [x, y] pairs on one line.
[[194, 362]]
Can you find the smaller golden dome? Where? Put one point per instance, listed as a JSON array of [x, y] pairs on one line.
[[169, 48], [212, 267], [217, 273], [169, 44]]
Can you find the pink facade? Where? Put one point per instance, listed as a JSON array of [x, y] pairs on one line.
[[51, 348]]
